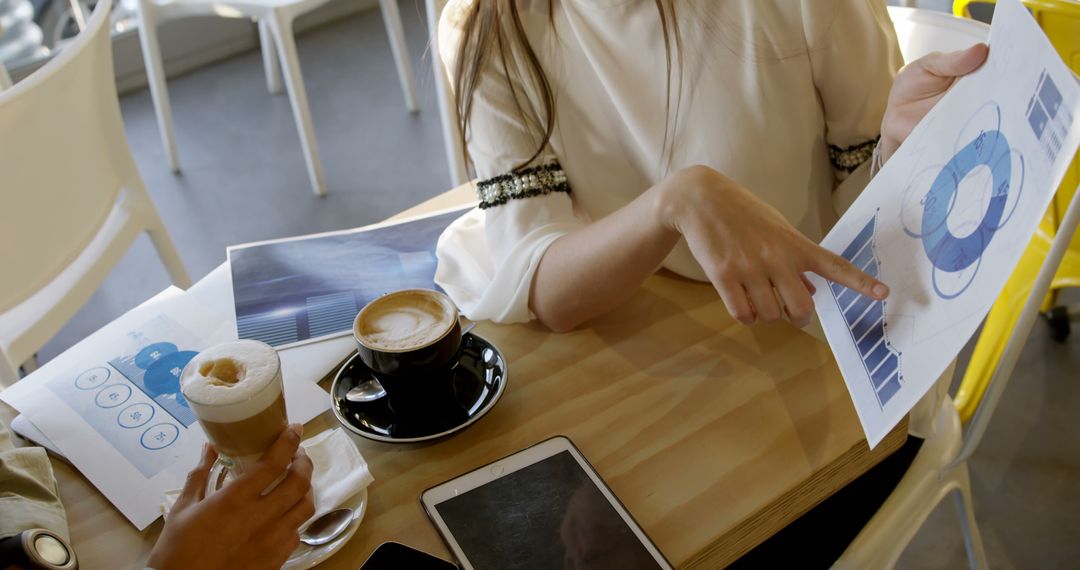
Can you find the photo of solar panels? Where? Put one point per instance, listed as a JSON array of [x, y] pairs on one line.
[[297, 290]]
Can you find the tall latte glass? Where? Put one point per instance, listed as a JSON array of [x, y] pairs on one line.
[[235, 390]]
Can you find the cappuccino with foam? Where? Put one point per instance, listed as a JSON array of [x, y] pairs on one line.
[[235, 389], [405, 320]]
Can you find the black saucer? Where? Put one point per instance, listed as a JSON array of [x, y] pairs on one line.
[[478, 381]]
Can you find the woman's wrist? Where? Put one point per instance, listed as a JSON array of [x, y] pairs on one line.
[[675, 195], [887, 143]]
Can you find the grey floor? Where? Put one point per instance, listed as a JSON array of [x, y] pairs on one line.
[[244, 180]]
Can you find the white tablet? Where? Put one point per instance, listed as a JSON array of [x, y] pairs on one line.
[[543, 507]]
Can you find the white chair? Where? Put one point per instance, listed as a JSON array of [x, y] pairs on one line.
[[940, 467], [448, 116], [71, 199], [275, 18]]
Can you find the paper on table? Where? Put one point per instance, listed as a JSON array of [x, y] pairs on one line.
[[947, 219], [111, 403], [292, 291]]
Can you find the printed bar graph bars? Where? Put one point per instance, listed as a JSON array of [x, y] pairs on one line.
[[865, 319]]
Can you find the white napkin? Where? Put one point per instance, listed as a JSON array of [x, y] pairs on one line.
[[339, 472]]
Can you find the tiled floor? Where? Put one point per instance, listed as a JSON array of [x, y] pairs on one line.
[[244, 180]]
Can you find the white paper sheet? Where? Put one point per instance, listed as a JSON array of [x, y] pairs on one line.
[[305, 289], [947, 219], [111, 403]]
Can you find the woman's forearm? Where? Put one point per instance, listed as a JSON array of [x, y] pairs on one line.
[[754, 257], [592, 270]]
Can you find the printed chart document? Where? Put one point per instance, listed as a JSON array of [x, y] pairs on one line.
[[112, 403], [298, 290], [947, 219]]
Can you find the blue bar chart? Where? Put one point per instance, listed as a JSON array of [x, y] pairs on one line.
[[865, 320]]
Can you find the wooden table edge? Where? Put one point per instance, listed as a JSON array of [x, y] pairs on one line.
[[748, 533]]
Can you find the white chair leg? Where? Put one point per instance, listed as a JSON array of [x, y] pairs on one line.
[[155, 75], [281, 26], [270, 59], [394, 29], [170, 257], [966, 513], [163, 243], [444, 95], [5, 79]]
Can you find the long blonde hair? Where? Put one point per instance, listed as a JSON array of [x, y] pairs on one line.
[[497, 24]]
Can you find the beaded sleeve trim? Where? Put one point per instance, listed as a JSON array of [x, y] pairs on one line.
[[534, 181], [852, 157]]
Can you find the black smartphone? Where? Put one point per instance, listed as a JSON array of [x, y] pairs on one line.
[[395, 556]]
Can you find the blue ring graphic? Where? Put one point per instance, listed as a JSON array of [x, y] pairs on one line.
[[947, 296], [122, 392], [89, 381], [137, 423], [945, 250], [168, 433]]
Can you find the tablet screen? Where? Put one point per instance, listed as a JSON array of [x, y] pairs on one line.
[[546, 515]]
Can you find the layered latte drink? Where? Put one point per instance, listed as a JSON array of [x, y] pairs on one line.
[[235, 390]]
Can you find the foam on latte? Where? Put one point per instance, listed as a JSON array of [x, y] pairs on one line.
[[404, 320], [232, 381]]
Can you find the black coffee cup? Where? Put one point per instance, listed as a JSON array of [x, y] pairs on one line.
[[410, 339]]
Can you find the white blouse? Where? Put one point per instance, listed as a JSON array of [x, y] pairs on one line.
[[785, 97], [767, 88]]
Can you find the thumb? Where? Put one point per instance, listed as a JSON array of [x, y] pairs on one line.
[[955, 63]]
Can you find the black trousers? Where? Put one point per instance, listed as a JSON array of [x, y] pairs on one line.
[[819, 537]]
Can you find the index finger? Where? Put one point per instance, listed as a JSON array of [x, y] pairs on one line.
[[839, 270], [273, 463], [195, 484]]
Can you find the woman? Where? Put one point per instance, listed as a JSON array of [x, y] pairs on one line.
[[716, 139], [719, 139]]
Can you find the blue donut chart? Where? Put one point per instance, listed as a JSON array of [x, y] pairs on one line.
[[946, 251]]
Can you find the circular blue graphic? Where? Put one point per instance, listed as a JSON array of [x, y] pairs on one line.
[[945, 250], [163, 376], [159, 436], [952, 295], [135, 415], [93, 378], [112, 396], [152, 353]]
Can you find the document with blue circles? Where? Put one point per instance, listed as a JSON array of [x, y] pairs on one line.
[[947, 219], [112, 404]]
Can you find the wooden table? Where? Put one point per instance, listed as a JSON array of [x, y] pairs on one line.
[[714, 435]]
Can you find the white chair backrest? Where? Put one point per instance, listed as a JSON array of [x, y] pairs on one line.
[[64, 158], [923, 31]]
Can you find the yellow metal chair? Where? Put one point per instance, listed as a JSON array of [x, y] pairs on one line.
[[1060, 19]]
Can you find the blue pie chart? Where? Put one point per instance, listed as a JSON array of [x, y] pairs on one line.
[[945, 250]]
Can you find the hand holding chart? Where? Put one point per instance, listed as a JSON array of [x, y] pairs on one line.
[[946, 220]]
